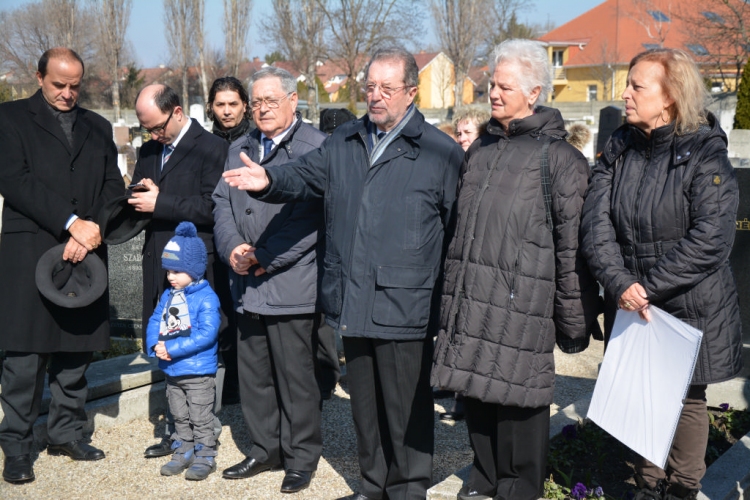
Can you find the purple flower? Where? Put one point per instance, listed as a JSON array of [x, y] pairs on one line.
[[570, 431], [579, 491], [724, 406], [598, 492]]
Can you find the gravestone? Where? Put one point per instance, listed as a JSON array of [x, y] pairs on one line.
[[610, 119], [126, 288], [740, 256]]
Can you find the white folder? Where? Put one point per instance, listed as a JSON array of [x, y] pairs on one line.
[[643, 381]]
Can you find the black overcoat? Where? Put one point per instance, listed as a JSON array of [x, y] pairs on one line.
[[43, 181], [185, 187]]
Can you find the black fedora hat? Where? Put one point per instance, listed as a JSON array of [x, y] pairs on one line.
[[119, 222], [70, 285]]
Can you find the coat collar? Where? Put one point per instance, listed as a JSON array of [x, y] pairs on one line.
[[44, 118], [186, 144], [285, 143]]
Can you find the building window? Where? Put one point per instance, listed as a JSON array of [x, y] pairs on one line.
[[717, 87], [659, 16], [650, 46], [713, 17], [557, 58], [697, 49], [591, 95]]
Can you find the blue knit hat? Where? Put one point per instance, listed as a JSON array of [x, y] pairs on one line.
[[185, 252]]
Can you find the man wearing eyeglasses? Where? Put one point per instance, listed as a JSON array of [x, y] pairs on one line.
[[177, 170], [388, 182], [271, 251]]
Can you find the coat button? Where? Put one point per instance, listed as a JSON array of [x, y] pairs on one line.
[[628, 250], [248, 211], [343, 328], [72, 169], [74, 201]]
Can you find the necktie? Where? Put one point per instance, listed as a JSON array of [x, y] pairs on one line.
[[168, 149], [267, 146]]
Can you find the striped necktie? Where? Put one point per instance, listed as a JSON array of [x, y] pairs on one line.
[[168, 150], [267, 146]]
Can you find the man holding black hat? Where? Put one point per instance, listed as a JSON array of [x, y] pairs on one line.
[[59, 168]]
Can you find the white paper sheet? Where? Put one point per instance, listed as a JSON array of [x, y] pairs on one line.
[[643, 380]]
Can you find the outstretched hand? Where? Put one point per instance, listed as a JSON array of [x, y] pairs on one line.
[[251, 177]]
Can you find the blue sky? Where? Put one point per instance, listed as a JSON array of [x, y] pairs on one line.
[[146, 29]]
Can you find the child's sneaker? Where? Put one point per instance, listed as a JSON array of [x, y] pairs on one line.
[[182, 458], [203, 465]]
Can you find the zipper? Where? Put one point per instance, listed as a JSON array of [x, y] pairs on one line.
[[636, 212]]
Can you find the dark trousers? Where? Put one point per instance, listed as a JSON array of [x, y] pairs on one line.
[[391, 398], [510, 449], [22, 385], [686, 464], [327, 356], [278, 391]]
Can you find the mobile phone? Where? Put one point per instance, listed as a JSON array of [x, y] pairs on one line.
[[137, 188]]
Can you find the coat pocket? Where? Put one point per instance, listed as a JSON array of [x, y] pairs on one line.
[[20, 226], [402, 296], [330, 286]]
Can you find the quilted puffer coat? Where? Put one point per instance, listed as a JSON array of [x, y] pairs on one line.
[[513, 286], [661, 211]]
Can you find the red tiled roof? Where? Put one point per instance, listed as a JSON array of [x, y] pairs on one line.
[[617, 30], [424, 58]]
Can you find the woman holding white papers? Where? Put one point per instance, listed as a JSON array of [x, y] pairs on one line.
[[658, 226]]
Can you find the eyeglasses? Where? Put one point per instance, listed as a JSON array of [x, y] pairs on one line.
[[160, 129], [270, 103], [386, 92]]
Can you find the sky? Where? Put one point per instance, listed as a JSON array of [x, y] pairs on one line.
[[147, 35]]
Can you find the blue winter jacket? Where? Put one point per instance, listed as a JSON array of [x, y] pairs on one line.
[[197, 353]]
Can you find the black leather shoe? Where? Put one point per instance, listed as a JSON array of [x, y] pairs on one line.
[[468, 493], [247, 468], [296, 480], [18, 469], [356, 496], [77, 450], [159, 450], [452, 415]]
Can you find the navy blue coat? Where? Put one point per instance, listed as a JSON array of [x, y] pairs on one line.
[[384, 224]]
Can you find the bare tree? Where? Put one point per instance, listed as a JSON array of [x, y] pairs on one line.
[[357, 27], [35, 27], [656, 22], [461, 28], [113, 16], [200, 41], [721, 28], [298, 32], [179, 16], [236, 28], [501, 23]]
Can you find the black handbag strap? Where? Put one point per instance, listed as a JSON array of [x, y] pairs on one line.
[[546, 181]]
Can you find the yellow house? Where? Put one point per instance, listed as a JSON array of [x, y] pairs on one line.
[[590, 54], [437, 79]]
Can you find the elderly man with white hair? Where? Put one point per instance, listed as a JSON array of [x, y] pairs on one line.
[[515, 282]]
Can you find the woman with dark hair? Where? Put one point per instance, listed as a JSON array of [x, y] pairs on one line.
[[657, 228], [229, 108]]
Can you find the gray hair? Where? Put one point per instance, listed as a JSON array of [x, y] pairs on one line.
[[288, 82], [395, 52], [534, 61]]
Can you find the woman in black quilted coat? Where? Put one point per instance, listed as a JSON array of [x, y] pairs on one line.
[[658, 226], [514, 281]]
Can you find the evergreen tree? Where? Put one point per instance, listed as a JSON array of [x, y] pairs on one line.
[[742, 113]]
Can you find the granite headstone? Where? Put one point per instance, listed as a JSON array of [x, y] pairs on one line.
[[610, 118], [740, 256], [126, 288]]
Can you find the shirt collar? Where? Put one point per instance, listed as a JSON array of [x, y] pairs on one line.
[[182, 132]]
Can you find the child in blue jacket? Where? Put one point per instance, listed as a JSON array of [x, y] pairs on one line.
[[183, 334]]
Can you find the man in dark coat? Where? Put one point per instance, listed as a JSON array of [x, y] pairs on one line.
[[180, 168], [388, 182], [58, 167], [271, 250]]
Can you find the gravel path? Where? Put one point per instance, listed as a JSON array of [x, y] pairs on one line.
[[125, 474]]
